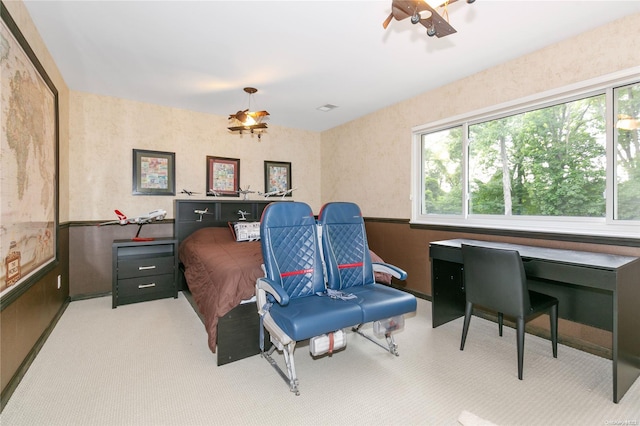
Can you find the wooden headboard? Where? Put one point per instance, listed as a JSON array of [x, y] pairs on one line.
[[219, 213]]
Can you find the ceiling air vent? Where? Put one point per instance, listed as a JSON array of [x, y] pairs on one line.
[[327, 107]]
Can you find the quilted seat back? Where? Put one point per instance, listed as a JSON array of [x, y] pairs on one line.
[[344, 242], [290, 248]]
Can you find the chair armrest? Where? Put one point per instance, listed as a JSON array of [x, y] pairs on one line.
[[276, 291], [386, 268]]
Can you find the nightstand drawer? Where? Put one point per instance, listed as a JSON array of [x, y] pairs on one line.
[[142, 286], [141, 267], [143, 270]]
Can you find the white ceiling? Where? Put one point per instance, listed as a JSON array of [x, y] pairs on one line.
[[198, 55]]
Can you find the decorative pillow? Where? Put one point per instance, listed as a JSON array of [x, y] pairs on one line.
[[245, 231]]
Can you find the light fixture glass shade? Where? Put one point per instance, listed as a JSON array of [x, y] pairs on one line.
[[249, 121]]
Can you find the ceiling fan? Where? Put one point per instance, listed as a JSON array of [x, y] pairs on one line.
[[421, 12]]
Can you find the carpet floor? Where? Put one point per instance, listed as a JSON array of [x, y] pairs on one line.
[[149, 364]]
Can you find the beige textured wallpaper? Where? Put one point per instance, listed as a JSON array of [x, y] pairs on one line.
[[369, 160], [366, 161], [105, 130]]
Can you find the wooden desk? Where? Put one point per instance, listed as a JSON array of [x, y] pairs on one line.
[[597, 289]]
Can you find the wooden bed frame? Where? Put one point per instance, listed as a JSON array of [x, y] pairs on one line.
[[239, 330]]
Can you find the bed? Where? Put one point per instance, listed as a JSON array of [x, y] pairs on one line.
[[219, 281], [221, 273], [218, 273]]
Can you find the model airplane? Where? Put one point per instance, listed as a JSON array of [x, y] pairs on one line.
[[245, 192], [277, 193], [189, 193], [421, 12], [248, 119], [242, 214], [201, 212], [155, 215], [214, 193]]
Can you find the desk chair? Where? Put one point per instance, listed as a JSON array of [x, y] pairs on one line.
[[495, 279]]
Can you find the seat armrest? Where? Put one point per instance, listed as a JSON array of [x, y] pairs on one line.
[[386, 268], [278, 293]]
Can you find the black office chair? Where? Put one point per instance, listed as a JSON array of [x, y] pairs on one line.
[[495, 279]]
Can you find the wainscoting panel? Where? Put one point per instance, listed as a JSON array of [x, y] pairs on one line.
[[90, 254], [27, 320]]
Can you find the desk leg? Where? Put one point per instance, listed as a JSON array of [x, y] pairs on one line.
[[626, 338], [448, 299]]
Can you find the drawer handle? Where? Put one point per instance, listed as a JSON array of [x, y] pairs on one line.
[[147, 285], [144, 268]]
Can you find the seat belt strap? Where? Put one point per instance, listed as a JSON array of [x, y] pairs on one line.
[[338, 294]]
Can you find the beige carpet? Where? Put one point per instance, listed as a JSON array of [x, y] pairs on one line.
[[149, 364]]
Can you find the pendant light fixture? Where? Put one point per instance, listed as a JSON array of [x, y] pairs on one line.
[[247, 120]]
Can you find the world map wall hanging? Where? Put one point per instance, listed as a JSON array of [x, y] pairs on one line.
[[28, 162]]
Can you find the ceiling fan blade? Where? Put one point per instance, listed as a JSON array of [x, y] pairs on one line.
[[400, 9], [385, 24]]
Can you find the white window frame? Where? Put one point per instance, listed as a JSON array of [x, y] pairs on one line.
[[606, 227]]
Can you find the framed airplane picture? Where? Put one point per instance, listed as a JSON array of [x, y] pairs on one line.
[[277, 177], [223, 176], [154, 172]]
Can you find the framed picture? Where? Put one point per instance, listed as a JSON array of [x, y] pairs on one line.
[[28, 165], [154, 172], [223, 176], [277, 177]]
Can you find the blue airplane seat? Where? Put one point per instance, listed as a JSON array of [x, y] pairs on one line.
[[349, 268], [291, 298]]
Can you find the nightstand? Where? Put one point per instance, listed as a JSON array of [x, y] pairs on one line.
[[144, 270]]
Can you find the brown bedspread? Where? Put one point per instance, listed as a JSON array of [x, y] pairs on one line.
[[221, 273]]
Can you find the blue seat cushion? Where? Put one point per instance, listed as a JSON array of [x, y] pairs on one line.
[[379, 301], [306, 317]]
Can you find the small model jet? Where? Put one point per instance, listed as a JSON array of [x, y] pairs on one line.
[[277, 193], [242, 214], [245, 192], [155, 215], [201, 212], [214, 193], [142, 219], [189, 193]]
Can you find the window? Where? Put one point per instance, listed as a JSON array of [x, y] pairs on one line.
[[544, 166], [627, 157], [545, 162], [443, 172]]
